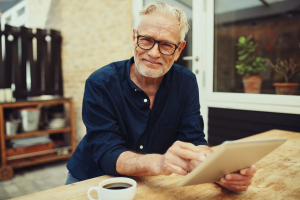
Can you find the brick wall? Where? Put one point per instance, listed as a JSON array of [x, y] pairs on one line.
[[95, 33]]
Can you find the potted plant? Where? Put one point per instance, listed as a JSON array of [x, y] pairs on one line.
[[287, 68], [249, 65]]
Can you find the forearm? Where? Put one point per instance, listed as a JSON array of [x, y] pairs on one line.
[[133, 164]]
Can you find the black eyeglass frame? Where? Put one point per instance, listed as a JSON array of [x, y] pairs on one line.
[[156, 41]]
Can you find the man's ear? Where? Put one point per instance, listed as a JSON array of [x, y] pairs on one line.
[[179, 50], [133, 35]]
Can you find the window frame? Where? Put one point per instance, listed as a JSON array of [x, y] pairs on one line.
[[244, 101]]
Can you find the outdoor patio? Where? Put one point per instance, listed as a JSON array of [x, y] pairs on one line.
[[34, 179]]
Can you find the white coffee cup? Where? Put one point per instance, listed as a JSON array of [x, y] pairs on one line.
[[110, 189]]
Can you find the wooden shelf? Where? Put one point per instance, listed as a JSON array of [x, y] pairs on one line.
[[37, 133], [35, 103], [38, 153], [42, 156], [47, 159]]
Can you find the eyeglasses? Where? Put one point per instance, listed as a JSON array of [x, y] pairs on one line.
[[147, 43]]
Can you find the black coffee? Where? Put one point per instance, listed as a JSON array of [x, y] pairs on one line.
[[117, 186]]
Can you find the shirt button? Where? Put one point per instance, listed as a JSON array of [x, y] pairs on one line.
[[145, 100], [141, 147], [135, 90]]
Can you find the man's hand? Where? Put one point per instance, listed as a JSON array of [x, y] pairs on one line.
[[182, 157], [238, 182]]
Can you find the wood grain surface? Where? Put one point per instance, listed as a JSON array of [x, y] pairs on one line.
[[277, 177]]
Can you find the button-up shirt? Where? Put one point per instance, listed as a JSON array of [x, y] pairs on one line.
[[117, 117]]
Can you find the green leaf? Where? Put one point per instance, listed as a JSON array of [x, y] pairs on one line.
[[241, 71], [249, 38], [241, 52], [242, 40], [243, 57], [251, 50], [248, 63], [239, 66]]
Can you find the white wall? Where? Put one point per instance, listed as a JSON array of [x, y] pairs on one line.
[[13, 13]]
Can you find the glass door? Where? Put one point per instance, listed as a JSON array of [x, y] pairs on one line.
[[237, 39]]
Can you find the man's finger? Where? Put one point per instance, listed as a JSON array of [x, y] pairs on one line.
[[176, 169], [236, 188], [243, 182], [205, 148], [182, 163], [188, 154], [248, 171], [186, 145], [237, 177], [202, 157]]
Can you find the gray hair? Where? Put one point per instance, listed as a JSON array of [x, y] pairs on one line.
[[174, 11]]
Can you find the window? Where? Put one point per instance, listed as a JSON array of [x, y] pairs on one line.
[[21, 11], [8, 19], [251, 34]]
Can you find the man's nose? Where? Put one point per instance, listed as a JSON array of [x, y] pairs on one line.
[[154, 51]]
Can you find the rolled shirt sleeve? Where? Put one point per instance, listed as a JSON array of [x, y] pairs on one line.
[[104, 138]]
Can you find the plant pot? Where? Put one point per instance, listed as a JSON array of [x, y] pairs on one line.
[[252, 84], [286, 88]]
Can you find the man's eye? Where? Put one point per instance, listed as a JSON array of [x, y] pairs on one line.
[[148, 40], [167, 45], [144, 39]]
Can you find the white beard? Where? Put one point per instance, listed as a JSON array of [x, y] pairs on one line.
[[148, 72]]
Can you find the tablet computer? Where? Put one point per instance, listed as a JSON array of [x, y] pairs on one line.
[[231, 156]]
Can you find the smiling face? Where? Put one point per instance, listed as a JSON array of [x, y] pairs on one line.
[[151, 63]]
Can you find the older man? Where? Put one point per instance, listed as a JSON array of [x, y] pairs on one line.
[[143, 115]]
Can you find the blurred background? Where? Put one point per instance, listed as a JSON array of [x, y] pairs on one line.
[[239, 51]]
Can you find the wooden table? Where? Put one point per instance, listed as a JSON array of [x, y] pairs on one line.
[[277, 177]]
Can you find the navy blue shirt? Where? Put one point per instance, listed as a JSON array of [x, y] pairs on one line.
[[117, 117]]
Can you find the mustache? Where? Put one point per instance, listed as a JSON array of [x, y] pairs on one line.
[[153, 60]]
